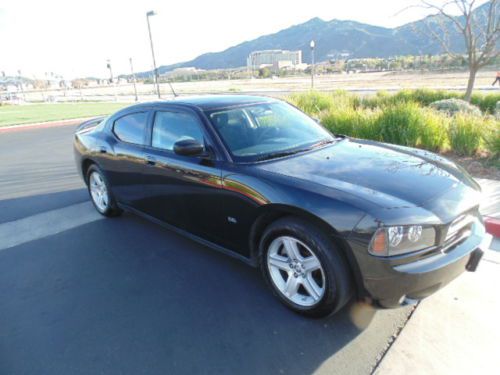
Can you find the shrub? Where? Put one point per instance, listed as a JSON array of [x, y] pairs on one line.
[[492, 136], [487, 102], [359, 123], [453, 106], [434, 132], [403, 119], [401, 124], [344, 99], [466, 134], [423, 96], [312, 102]]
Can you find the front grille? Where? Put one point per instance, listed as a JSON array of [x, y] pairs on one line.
[[459, 230]]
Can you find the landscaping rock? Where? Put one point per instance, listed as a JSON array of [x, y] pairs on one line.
[[453, 106]]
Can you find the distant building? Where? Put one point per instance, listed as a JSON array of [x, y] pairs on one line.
[[275, 59]]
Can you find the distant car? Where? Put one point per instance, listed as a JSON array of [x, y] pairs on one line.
[[325, 217]]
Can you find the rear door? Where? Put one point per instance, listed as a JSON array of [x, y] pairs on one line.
[[181, 189], [123, 158]]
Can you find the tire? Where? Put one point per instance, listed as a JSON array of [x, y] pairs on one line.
[[100, 193], [319, 292]]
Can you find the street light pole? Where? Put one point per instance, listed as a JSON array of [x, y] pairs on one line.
[[149, 14], [108, 65], [111, 79], [312, 45], [133, 80]]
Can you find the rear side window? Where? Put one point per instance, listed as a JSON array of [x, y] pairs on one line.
[[131, 128], [170, 127]]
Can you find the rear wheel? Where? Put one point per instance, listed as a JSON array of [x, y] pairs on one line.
[[100, 193], [304, 268]]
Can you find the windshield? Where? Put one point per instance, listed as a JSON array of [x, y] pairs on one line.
[[267, 131]]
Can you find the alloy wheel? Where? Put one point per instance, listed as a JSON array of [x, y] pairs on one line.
[[98, 191], [296, 271]]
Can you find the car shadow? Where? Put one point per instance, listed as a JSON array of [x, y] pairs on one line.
[[124, 296]]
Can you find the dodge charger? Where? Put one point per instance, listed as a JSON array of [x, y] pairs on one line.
[[325, 217]]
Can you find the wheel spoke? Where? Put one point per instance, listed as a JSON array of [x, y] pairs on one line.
[[100, 199], [311, 263], [291, 248], [98, 179], [291, 287], [280, 262], [98, 191], [311, 287]]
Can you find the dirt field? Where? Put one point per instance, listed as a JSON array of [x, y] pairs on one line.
[[360, 82]]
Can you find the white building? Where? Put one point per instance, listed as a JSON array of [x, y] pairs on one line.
[[276, 59]]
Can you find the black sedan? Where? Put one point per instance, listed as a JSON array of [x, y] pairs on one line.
[[325, 217]]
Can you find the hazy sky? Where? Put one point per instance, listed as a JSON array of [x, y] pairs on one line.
[[75, 37]]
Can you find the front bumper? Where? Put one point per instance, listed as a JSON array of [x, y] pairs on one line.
[[407, 283]]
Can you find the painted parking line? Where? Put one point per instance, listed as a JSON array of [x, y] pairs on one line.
[[45, 224]]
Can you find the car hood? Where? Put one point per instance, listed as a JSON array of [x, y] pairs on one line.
[[387, 175]]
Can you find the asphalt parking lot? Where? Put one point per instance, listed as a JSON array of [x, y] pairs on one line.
[[80, 294]]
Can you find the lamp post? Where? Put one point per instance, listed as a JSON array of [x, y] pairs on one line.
[[150, 14], [108, 65], [312, 45], [111, 79], [133, 80]]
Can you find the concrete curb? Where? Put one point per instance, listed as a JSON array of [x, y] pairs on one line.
[[47, 124]]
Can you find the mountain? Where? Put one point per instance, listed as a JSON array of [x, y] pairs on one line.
[[360, 40]]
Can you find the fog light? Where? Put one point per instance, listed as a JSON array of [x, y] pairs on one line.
[[414, 233]]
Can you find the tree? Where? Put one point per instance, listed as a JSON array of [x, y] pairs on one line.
[[265, 72], [480, 29], [79, 83], [40, 84]]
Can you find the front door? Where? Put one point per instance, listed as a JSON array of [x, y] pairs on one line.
[[180, 188]]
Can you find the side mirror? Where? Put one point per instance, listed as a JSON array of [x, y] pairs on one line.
[[189, 147]]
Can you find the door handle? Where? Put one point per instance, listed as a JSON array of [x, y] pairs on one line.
[[150, 160]]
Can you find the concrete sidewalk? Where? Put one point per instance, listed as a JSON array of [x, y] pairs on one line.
[[455, 331]]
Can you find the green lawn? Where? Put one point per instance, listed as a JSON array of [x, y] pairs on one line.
[[31, 113]]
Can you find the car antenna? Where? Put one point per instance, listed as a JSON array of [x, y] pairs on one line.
[[172, 88]]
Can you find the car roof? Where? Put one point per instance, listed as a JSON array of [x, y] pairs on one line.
[[210, 102]]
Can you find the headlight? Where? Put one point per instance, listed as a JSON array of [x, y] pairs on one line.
[[398, 240]]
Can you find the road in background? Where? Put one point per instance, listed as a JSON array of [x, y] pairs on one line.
[[362, 83], [83, 294]]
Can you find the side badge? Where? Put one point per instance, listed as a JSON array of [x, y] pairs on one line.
[[232, 220]]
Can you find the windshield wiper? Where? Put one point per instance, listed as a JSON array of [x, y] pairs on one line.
[[281, 154], [322, 143]]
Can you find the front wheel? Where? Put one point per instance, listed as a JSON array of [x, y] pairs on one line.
[[100, 193], [304, 268]]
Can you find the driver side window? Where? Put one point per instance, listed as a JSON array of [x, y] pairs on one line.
[[171, 127]]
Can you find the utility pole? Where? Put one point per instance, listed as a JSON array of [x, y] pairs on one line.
[[150, 14], [312, 45], [133, 80]]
